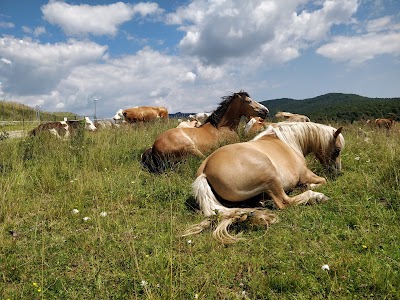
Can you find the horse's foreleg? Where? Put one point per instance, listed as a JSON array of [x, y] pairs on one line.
[[312, 180], [282, 200], [308, 197]]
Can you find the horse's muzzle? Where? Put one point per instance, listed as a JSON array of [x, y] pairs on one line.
[[263, 113]]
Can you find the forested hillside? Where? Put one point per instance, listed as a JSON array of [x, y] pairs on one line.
[[337, 106]]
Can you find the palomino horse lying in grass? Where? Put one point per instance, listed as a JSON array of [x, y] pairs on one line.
[[272, 163], [287, 116], [221, 126]]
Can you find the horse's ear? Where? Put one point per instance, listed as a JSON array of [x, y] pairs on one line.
[[337, 132]]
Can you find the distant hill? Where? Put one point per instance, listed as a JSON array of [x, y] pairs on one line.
[[333, 106], [13, 111], [337, 106]]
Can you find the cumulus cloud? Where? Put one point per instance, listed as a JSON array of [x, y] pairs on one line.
[[78, 20], [263, 31], [146, 78], [36, 68], [224, 45], [359, 49]]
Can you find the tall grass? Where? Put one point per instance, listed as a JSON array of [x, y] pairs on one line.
[[134, 250]]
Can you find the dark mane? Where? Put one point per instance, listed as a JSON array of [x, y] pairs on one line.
[[216, 116]]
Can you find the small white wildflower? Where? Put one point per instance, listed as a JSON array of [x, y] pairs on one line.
[[72, 181], [357, 158], [103, 214], [196, 296], [189, 242], [75, 211], [243, 293], [86, 219], [325, 267], [143, 283]]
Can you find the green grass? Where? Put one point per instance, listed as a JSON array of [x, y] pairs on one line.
[[136, 252]]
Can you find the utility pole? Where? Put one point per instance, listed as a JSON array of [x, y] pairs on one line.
[[95, 115]]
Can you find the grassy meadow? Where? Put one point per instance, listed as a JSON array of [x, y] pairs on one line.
[[81, 219]]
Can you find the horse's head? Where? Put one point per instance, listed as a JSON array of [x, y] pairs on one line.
[[330, 158], [250, 107]]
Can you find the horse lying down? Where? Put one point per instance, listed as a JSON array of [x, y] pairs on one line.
[[272, 163]]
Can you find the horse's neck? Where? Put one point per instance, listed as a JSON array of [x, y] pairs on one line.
[[230, 119]]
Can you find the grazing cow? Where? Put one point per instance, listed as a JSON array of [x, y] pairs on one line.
[[141, 114], [255, 125], [189, 124], [287, 116], [384, 123]]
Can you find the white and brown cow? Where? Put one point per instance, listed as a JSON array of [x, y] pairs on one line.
[[63, 129], [141, 114], [194, 123]]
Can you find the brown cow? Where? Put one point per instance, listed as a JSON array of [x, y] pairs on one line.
[[141, 114], [384, 123]]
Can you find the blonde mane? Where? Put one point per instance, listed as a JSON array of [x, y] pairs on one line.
[[302, 137]]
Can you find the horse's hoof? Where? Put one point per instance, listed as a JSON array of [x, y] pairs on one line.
[[322, 198]]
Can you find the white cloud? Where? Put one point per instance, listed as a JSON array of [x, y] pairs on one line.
[[78, 20], [379, 24], [227, 46], [36, 68], [6, 24], [359, 49], [5, 61], [264, 31], [36, 32]]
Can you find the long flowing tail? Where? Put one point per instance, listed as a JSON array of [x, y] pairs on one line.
[[224, 216]]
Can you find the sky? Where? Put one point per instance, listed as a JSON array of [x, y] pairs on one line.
[[97, 56]]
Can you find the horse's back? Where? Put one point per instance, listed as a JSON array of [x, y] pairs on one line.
[[198, 141]]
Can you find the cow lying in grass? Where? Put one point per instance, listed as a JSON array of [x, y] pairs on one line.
[[63, 129]]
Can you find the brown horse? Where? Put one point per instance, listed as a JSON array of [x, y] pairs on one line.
[[287, 116], [221, 126], [271, 164]]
